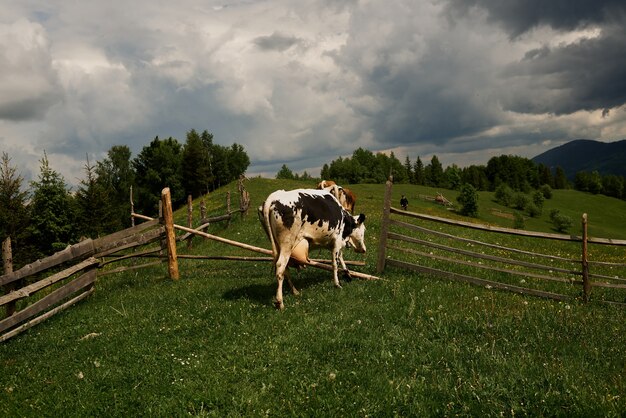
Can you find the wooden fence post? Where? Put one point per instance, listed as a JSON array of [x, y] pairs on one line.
[[7, 261], [168, 219], [189, 219], [585, 262], [384, 227], [244, 196], [245, 203], [203, 212], [203, 208], [132, 208], [228, 207]]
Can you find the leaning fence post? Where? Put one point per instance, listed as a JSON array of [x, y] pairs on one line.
[[168, 219], [585, 262], [189, 219], [384, 227], [7, 261]]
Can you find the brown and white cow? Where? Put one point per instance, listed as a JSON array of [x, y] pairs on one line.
[[315, 216], [345, 196]]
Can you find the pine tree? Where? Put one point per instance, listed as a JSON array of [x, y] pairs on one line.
[[14, 212], [468, 198], [158, 165], [560, 181], [409, 170], [115, 175], [52, 211], [285, 173], [95, 215], [325, 172], [434, 173], [194, 165], [418, 172]]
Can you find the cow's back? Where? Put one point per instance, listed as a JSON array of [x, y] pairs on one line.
[[303, 213]]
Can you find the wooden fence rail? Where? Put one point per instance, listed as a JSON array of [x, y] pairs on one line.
[[495, 260], [78, 265]]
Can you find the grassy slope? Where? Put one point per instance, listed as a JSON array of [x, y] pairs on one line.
[[212, 345]]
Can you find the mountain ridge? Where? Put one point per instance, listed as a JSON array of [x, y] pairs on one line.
[[586, 155]]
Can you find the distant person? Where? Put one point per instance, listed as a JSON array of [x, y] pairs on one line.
[[404, 202]]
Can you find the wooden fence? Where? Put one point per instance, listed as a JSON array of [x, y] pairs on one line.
[[73, 280], [50, 285], [33, 294], [447, 248]]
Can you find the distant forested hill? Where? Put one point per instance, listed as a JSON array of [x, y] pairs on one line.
[[587, 155]]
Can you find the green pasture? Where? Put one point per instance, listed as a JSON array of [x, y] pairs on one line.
[[211, 344]]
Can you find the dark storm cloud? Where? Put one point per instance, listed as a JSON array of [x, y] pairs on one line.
[[519, 16], [587, 75], [431, 82], [23, 109], [276, 42]]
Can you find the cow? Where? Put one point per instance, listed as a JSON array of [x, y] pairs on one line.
[[345, 196], [313, 216], [325, 184]]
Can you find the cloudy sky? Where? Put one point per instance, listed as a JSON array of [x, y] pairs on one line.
[[303, 82]]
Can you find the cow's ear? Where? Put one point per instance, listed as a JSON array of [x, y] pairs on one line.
[[360, 219]]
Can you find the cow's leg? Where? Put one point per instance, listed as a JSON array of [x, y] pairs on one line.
[[293, 288], [335, 277], [281, 266], [346, 272]]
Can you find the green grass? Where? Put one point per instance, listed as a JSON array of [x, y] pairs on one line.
[[212, 344]]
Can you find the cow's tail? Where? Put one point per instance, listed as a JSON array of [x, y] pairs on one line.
[[268, 229]]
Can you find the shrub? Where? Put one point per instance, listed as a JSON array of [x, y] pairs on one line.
[[468, 198], [520, 201], [553, 214], [546, 191], [533, 210], [504, 195], [562, 223]]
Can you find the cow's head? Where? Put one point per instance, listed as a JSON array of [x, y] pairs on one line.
[[356, 239]]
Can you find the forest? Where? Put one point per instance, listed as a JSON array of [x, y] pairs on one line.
[[45, 215]]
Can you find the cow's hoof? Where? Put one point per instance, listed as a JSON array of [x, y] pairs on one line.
[[347, 276], [279, 305]]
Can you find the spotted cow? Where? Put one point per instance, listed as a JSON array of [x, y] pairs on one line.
[[315, 217], [345, 196]]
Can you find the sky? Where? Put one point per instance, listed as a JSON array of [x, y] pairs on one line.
[[302, 83]]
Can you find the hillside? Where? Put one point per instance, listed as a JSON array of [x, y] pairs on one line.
[[211, 343], [586, 155]]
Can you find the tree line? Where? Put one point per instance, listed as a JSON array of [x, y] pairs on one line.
[[46, 215], [519, 173], [518, 182]]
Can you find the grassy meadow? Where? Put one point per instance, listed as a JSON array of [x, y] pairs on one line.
[[211, 344]]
